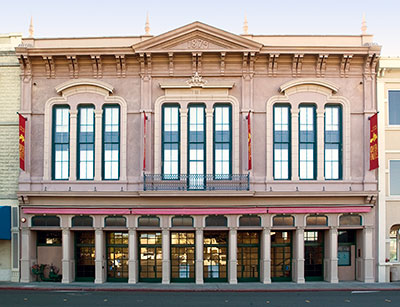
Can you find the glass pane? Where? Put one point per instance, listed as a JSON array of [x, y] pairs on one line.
[[394, 177], [394, 107]]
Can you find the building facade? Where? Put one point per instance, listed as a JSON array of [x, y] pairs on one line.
[[199, 155], [9, 172], [388, 93]]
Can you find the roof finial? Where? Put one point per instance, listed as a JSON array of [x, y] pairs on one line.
[[245, 26], [147, 25], [363, 25], [31, 28]]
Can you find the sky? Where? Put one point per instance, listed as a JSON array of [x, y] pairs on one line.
[[72, 18]]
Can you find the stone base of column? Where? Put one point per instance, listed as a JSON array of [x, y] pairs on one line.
[[299, 271], [331, 270], [383, 273], [232, 273], [199, 272], [99, 272], [26, 275], [266, 269], [166, 276], [369, 271], [133, 276], [66, 272]]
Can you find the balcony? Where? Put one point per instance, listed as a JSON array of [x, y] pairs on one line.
[[185, 182]]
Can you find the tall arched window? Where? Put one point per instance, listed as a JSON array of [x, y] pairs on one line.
[[111, 142], [282, 144]]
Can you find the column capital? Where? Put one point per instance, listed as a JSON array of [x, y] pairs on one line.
[[98, 229], [267, 230], [64, 229], [132, 229], [200, 229], [165, 229], [73, 113]]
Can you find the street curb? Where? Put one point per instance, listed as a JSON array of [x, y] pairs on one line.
[[190, 290]]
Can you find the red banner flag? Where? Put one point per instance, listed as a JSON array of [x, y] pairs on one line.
[[22, 121], [373, 143], [249, 140], [144, 140]]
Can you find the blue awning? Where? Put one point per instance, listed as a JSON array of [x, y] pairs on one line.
[[5, 223]]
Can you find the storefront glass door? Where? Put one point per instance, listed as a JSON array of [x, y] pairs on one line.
[[84, 256], [182, 256], [248, 255], [281, 256], [150, 259], [215, 256], [314, 255], [117, 256]]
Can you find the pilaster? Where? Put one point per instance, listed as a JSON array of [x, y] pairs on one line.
[[184, 131], [99, 261], [199, 255], [368, 260], [73, 114], [98, 144], [298, 261], [295, 144], [266, 255], [133, 256], [66, 253], [166, 262], [332, 260], [232, 264], [320, 144]]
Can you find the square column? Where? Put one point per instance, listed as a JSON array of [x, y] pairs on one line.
[[266, 256], [166, 262], [99, 262], [66, 259], [320, 143], [72, 139], [27, 253], [332, 261], [298, 261], [232, 264], [184, 149], [295, 144], [368, 260], [133, 256], [98, 144], [199, 256], [209, 140]]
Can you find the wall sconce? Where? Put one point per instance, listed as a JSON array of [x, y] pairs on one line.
[[23, 220]]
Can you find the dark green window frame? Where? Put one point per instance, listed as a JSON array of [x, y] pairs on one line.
[[282, 141], [85, 142], [333, 141], [170, 141], [308, 140], [60, 143], [196, 143], [223, 141], [49, 238], [111, 142]]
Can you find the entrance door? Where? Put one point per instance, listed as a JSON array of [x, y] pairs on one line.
[[314, 255], [281, 256], [150, 260], [84, 256], [347, 254], [215, 256], [117, 256], [182, 256], [248, 255]]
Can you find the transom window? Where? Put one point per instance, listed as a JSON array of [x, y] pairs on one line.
[[47, 221], [149, 221], [350, 220], [333, 142], [307, 142], [82, 221], [216, 221], [250, 220], [49, 238], [115, 221], [182, 221], [86, 142], [281, 142], [111, 142], [283, 220], [317, 220], [61, 142], [170, 142], [222, 141]]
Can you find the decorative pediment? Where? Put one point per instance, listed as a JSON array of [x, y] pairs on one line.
[[197, 37]]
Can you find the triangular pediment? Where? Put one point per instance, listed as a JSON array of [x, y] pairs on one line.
[[197, 37]]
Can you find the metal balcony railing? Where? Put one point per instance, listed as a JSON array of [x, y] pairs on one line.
[[186, 182]]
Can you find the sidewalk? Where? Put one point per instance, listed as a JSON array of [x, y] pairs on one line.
[[207, 287]]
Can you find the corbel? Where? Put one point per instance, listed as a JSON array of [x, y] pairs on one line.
[[321, 65], [73, 66], [47, 67], [171, 63], [52, 67], [96, 66], [273, 64], [223, 63], [199, 64], [245, 62], [252, 61], [345, 64], [148, 61], [141, 61], [297, 63], [123, 66], [374, 62], [118, 65], [25, 65], [194, 62]]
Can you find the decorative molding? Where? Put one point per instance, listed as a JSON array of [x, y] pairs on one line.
[[345, 64], [318, 82], [96, 66], [50, 67], [73, 66], [321, 65], [171, 63], [196, 81], [297, 63], [84, 82], [273, 64], [223, 63]]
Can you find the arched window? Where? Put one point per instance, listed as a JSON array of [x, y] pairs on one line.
[[149, 221], [216, 221], [350, 220], [82, 221], [182, 221], [283, 220], [250, 220], [317, 220], [45, 221], [115, 221]]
